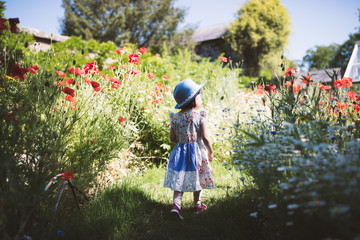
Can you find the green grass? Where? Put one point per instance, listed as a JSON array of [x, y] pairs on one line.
[[139, 208]]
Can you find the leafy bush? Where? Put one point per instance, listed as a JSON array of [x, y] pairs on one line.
[[301, 153]]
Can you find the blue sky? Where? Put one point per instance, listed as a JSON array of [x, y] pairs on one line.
[[314, 22]]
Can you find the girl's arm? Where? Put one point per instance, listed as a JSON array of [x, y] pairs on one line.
[[207, 141], [173, 135]]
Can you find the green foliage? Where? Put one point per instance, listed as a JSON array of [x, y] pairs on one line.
[[145, 23], [259, 33], [321, 57], [301, 152]]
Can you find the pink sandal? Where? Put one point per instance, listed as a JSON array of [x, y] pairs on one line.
[[202, 208]]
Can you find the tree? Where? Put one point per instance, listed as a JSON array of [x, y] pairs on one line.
[[146, 23], [345, 50], [260, 32], [321, 57]]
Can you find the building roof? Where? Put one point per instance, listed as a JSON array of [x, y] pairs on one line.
[[44, 35], [210, 33], [321, 75]]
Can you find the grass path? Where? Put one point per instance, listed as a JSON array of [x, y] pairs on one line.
[[139, 208]]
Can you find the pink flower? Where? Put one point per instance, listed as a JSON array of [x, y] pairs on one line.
[[112, 67], [165, 77], [134, 71]]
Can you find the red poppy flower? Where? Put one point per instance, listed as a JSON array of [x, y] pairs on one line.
[[121, 119], [288, 84], [323, 87], [61, 74], [267, 88], [10, 117], [296, 87], [112, 67], [67, 175], [143, 50], [76, 71], [165, 77], [115, 83], [91, 68], [165, 89], [151, 75], [33, 69], [337, 84], [2, 26], [346, 82], [96, 86], [68, 98], [13, 22], [357, 108], [223, 59], [307, 80], [87, 80], [259, 86], [290, 72], [19, 72], [69, 81], [134, 58], [69, 91], [120, 51], [351, 95]]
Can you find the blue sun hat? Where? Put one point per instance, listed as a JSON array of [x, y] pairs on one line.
[[185, 91]]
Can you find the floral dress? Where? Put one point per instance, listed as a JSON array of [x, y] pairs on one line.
[[188, 169]]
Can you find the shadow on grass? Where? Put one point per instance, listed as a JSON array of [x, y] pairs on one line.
[[126, 212]]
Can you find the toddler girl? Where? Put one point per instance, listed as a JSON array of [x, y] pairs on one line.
[[188, 169]]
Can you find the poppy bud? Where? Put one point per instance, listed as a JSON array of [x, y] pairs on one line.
[[74, 62]]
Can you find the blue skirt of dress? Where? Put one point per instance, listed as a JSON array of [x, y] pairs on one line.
[[182, 172]]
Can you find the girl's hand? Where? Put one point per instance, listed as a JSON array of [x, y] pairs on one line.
[[211, 156]]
